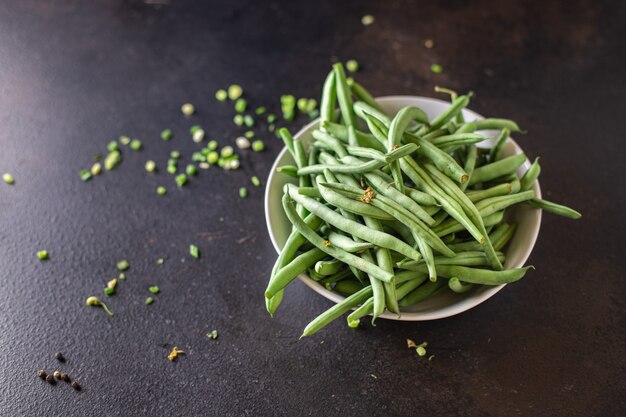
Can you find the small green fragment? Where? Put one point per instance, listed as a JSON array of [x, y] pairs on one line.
[[198, 157], [109, 291], [171, 168], [301, 104], [112, 160], [221, 95], [96, 302], [193, 129], [124, 140], [212, 145], [212, 334], [243, 192], [314, 114], [85, 175], [352, 65], [212, 158], [227, 151], [191, 170], [311, 105], [150, 166], [166, 134], [249, 134], [149, 301], [258, 145], [42, 255], [260, 110], [420, 350], [97, 157], [248, 120], [194, 251], [431, 357], [121, 275], [181, 179], [234, 92], [123, 265], [238, 119], [175, 154], [161, 190], [436, 68], [96, 168], [241, 105], [135, 144], [113, 146], [160, 261], [198, 136], [367, 20], [154, 289], [271, 118], [255, 181], [188, 109]]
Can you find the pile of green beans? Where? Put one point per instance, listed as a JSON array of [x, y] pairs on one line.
[[392, 209]]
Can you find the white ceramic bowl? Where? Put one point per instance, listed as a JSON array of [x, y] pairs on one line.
[[445, 303]]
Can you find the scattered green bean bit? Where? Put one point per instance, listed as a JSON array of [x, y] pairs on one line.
[[420, 350], [249, 134], [227, 151], [352, 65], [212, 334], [238, 119], [258, 145], [191, 170], [260, 110], [234, 91], [166, 134], [135, 144], [171, 168], [149, 301], [188, 109], [194, 251], [212, 158], [96, 302], [243, 192], [124, 140], [255, 181], [212, 145], [221, 95], [367, 20], [150, 166], [42, 255], [112, 160], [198, 136], [121, 275], [271, 118], [248, 120], [123, 265], [109, 291], [113, 146], [96, 169], [154, 289], [242, 142], [85, 175], [160, 261], [181, 180], [436, 68], [161, 190], [241, 105], [175, 154], [8, 178]]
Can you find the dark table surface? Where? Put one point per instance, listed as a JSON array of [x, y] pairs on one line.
[[75, 75]]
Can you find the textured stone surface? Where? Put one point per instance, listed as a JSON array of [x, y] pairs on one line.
[[75, 75]]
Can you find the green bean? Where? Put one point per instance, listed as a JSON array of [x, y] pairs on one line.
[[496, 124], [309, 192], [362, 94], [421, 178], [502, 236], [389, 191], [457, 139], [327, 267], [331, 141], [339, 276], [363, 310], [289, 170], [516, 185], [401, 214], [555, 208], [294, 268], [420, 197], [470, 258], [458, 104], [495, 191], [480, 276], [284, 134], [352, 205], [378, 290], [530, 176], [368, 153], [365, 111], [470, 164], [402, 151], [360, 168], [496, 150], [453, 226], [449, 187], [303, 180], [363, 139], [421, 293], [427, 256], [348, 287], [335, 252], [401, 229], [327, 102], [497, 169], [459, 287], [347, 244], [354, 228], [491, 205], [343, 95], [499, 237]]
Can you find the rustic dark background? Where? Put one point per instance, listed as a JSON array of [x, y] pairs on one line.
[[74, 75]]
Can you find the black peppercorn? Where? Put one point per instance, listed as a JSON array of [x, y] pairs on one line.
[[42, 374]]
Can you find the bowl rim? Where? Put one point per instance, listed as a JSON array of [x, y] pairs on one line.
[[456, 308]]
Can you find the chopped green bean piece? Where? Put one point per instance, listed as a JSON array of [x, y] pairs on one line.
[[193, 129], [112, 160], [123, 265], [42, 255], [109, 291], [238, 119], [212, 145], [271, 118], [135, 144], [241, 105], [212, 334], [367, 20], [436, 68], [96, 168], [154, 289], [194, 251], [113, 146], [161, 190], [191, 170], [175, 154], [96, 302], [198, 136], [221, 95], [243, 192], [258, 145], [85, 175], [301, 104], [149, 301], [260, 110], [124, 140], [160, 261], [352, 65], [181, 179], [150, 166], [249, 134], [188, 109], [227, 151], [166, 134], [255, 181], [234, 91], [212, 158], [420, 350], [198, 157], [248, 120], [121, 275], [171, 168], [242, 142]]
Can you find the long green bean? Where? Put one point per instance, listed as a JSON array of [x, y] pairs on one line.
[[530, 175], [497, 169], [328, 100], [555, 208]]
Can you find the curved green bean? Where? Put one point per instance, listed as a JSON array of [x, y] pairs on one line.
[[555, 208], [327, 267], [530, 176], [328, 100], [495, 191], [497, 169], [343, 95], [491, 205], [289, 170], [331, 142], [347, 244], [459, 287], [496, 150], [422, 292], [362, 94], [352, 205], [294, 268], [363, 139]]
